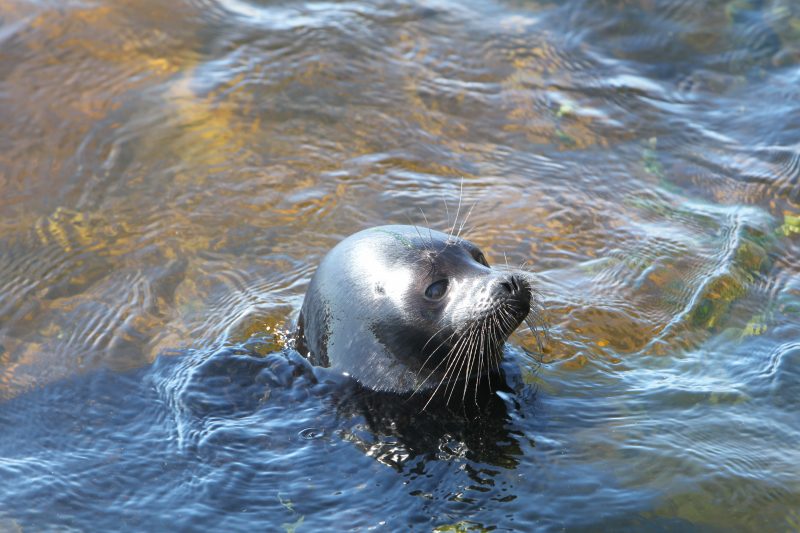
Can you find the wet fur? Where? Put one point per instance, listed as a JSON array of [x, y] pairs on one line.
[[350, 325]]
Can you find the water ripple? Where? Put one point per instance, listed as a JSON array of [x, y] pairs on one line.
[[172, 173]]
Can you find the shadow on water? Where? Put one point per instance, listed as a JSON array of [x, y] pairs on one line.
[[228, 439], [398, 430], [211, 429]]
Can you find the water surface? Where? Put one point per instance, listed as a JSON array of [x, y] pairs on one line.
[[171, 174]]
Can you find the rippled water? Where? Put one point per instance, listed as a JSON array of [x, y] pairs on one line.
[[172, 172]]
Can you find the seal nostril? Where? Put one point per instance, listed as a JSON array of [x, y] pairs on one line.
[[512, 285]]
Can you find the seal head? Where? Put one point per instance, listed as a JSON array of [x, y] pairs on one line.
[[403, 309]]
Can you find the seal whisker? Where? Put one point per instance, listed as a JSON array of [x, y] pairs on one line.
[[486, 361], [463, 360], [475, 392], [486, 330], [466, 218], [436, 389], [416, 228], [477, 380], [493, 364], [489, 373], [433, 394], [504, 317], [430, 260], [427, 225], [432, 372], [503, 322], [468, 371], [491, 342], [444, 359], [477, 347], [451, 385], [440, 344], [540, 327], [451, 358], [447, 339], [458, 210], [446, 210], [536, 334], [496, 361], [541, 321], [451, 371]]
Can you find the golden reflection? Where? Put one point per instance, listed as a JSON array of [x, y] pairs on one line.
[[176, 150]]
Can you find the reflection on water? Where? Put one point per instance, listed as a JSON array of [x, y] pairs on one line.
[[171, 173]]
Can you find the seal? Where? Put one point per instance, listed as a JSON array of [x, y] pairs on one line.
[[403, 309]]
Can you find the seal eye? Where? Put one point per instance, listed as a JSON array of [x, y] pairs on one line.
[[480, 258], [436, 290]]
